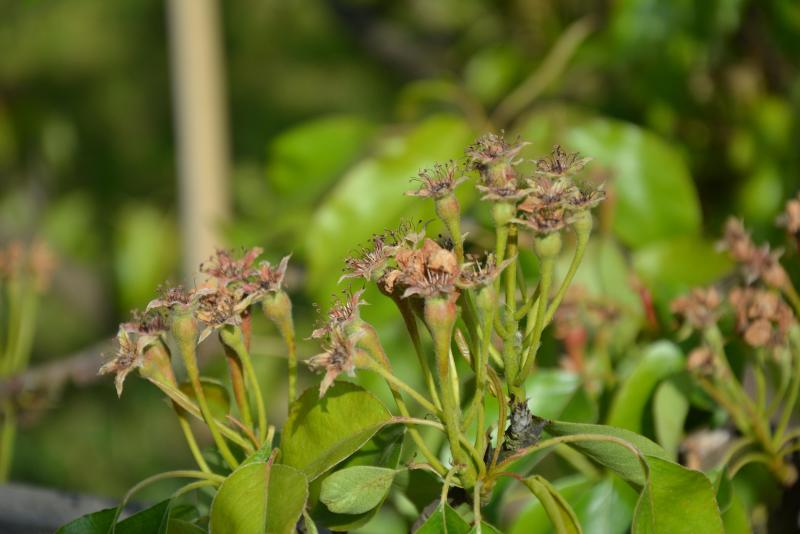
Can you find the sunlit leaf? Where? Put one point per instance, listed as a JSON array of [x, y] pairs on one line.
[[370, 197], [321, 432], [670, 407], [561, 514], [259, 498], [153, 519], [357, 489], [444, 520], [657, 362], [615, 456], [382, 450], [303, 160], [676, 500]]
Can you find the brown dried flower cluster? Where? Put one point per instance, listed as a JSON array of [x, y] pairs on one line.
[[560, 164], [790, 218], [475, 273], [133, 338], [552, 198], [758, 263], [336, 358], [439, 181], [236, 283], [343, 312], [492, 149], [495, 159], [762, 317], [427, 271], [700, 309]]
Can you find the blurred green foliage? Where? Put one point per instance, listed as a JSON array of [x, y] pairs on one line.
[[690, 110]]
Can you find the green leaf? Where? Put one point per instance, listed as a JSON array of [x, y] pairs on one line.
[[311, 527], [486, 528], [612, 455], [670, 407], [357, 489], [383, 450], [444, 520], [320, 433], [370, 196], [736, 518], [259, 498], [676, 500], [644, 170], [659, 360], [672, 267], [303, 160], [152, 519], [604, 507], [217, 396], [561, 514], [179, 526], [94, 523], [723, 488], [553, 392]]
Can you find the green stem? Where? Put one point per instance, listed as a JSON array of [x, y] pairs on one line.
[[791, 294], [794, 388], [397, 383], [190, 439], [185, 333], [511, 353], [577, 258], [410, 322], [209, 477], [7, 438], [237, 383], [232, 337], [380, 363], [530, 354], [441, 323]]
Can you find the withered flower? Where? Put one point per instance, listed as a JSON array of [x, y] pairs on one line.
[[266, 278], [148, 325], [701, 361], [477, 274], [502, 190], [343, 312], [790, 218], [491, 149], [337, 358], [438, 182], [427, 271], [171, 298], [700, 308], [586, 196], [545, 221], [368, 261], [219, 306], [559, 163], [225, 268], [547, 194], [127, 358], [736, 240], [762, 317], [764, 264]]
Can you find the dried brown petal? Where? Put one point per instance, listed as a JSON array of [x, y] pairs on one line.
[[560, 163], [700, 308], [439, 181], [337, 358]]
